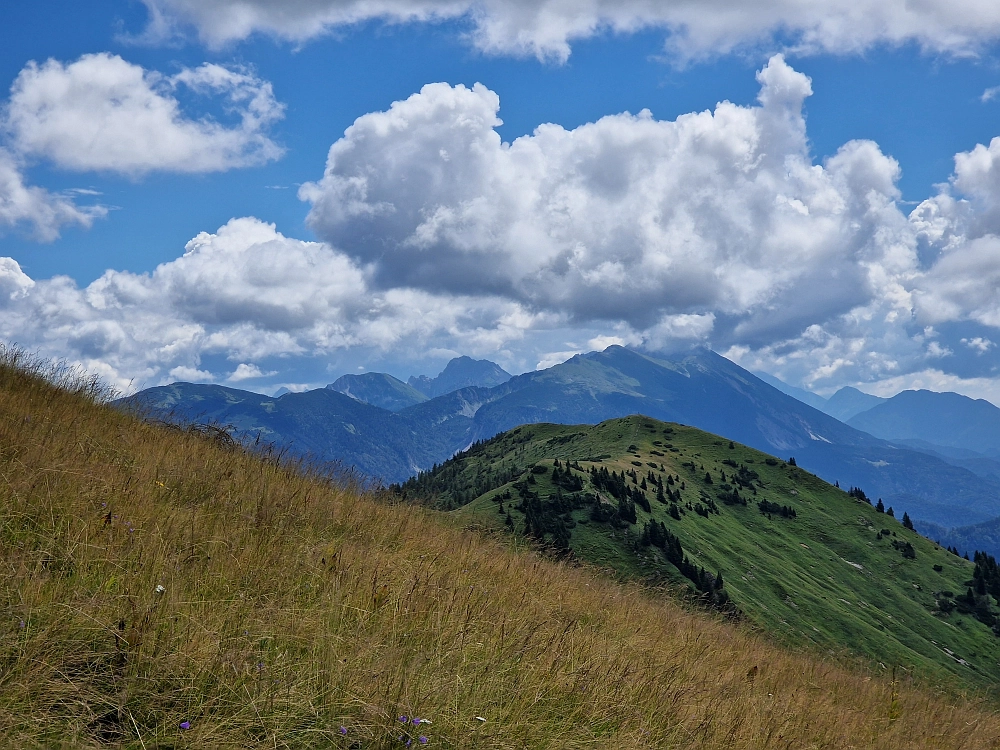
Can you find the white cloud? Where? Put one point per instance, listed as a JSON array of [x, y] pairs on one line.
[[547, 28], [989, 94], [979, 344], [191, 375], [245, 293], [44, 212], [627, 219], [14, 283], [672, 330], [246, 371], [937, 351], [964, 284], [715, 228], [602, 342], [103, 113]]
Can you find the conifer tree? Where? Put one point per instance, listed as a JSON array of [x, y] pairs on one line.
[[907, 523]]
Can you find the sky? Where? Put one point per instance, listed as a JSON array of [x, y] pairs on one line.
[[269, 194]]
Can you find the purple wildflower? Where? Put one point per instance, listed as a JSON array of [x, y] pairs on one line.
[[185, 725], [422, 740], [343, 730], [416, 721], [404, 719]]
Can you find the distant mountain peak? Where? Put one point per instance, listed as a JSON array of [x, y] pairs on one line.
[[849, 401], [947, 419], [461, 372], [378, 389]]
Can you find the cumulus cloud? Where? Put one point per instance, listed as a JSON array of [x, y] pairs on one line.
[[959, 230], [547, 28], [714, 229], [244, 293], [45, 213], [191, 374], [663, 225], [246, 371], [979, 344], [104, 113]]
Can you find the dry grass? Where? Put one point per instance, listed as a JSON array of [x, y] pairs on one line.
[[292, 607]]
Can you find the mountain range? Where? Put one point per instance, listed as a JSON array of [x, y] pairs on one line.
[[957, 429], [383, 390], [968, 426], [701, 389], [461, 372]]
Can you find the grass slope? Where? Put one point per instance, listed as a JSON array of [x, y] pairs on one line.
[[833, 577], [291, 608]]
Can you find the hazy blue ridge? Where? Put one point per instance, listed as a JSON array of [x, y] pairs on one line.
[[378, 389], [322, 424], [807, 397], [977, 463], [967, 539], [941, 419], [848, 402], [461, 372]]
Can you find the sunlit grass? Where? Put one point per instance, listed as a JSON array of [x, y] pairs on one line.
[[294, 610]]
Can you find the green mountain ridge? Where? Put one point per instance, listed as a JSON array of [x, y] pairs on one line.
[[808, 562]]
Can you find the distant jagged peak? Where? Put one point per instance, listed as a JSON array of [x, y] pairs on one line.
[[461, 372]]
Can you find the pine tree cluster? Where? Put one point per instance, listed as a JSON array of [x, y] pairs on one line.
[[656, 534], [767, 508], [859, 494]]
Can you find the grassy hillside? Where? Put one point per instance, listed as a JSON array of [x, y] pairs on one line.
[[800, 558], [295, 613]]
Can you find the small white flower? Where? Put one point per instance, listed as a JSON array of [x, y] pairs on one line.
[[159, 589], [480, 718]]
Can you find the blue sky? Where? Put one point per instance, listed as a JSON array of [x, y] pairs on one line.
[[819, 227]]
